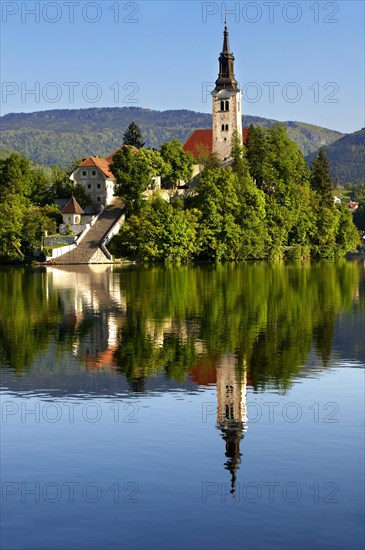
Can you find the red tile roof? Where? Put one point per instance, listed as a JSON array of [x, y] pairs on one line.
[[102, 164], [199, 139], [72, 207], [203, 139]]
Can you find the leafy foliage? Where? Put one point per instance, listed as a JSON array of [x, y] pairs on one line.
[[266, 205], [180, 161], [320, 178], [134, 172], [25, 213], [163, 232]]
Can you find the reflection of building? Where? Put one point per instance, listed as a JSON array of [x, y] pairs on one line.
[[231, 412], [95, 305], [231, 387]]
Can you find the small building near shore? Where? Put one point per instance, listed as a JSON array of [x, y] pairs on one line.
[[72, 212]]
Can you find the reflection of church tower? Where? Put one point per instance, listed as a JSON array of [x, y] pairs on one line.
[[232, 414], [227, 104]]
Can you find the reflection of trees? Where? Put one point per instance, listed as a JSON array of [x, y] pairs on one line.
[[28, 317], [268, 315], [141, 353]]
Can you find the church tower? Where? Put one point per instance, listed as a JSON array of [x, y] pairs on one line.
[[231, 412], [227, 104]]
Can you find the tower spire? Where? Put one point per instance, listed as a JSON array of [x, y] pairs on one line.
[[226, 79], [226, 103]]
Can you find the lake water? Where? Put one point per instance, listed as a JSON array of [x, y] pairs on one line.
[[206, 407]]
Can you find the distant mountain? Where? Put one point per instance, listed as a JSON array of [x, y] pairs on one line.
[[347, 158], [61, 136]]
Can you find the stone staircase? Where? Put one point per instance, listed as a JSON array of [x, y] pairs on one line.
[[90, 251]]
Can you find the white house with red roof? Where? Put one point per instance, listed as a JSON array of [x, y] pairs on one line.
[[94, 175]]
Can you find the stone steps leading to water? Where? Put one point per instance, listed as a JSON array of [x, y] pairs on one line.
[[89, 250]]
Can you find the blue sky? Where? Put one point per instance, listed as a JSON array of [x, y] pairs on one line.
[[300, 61]]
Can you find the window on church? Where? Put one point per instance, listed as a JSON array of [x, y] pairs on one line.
[[226, 126], [222, 127], [222, 105], [227, 105], [229, 410]]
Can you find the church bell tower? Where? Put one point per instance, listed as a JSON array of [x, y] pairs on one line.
[[227, 104]]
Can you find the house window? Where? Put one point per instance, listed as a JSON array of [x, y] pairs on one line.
[[98, 186], [98, 199], [93, 172], [89, 185], [84, 172]]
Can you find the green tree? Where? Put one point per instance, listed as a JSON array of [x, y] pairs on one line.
[[320, 179], [257, 149], [36, 221], [251, 213], [181, 163], [359, 217], [347, 235], [134, 172], [24, 213], [133, 136], [155, 162], [12, 214], [133, 176], [161, 232], [219, 234]]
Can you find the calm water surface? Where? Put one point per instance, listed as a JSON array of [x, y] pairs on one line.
[[208, 407]]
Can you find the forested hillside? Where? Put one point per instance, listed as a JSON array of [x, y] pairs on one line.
[[61, 136], [347, 158]]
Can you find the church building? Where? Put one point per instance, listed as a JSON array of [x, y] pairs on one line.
[[226, 111]]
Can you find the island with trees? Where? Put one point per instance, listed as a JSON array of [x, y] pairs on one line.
[[266, 204]]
